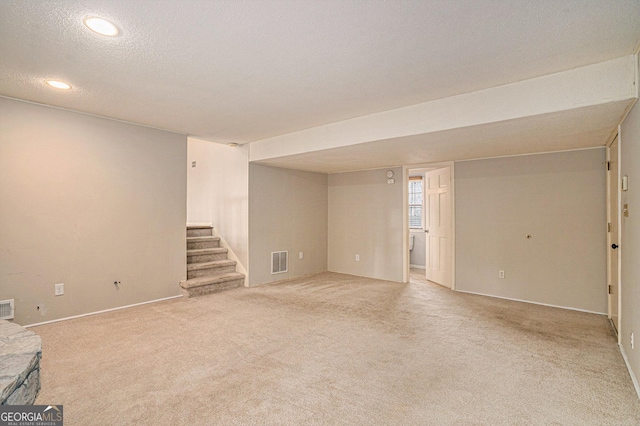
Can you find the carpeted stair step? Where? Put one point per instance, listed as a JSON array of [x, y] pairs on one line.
[[212, 284], [199, 231], [194, 243], [195, 270], [206, 255]]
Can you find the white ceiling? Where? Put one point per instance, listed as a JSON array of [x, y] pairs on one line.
[[246, 70]]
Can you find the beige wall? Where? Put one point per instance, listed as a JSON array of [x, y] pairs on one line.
[[218, 192], [630, 241], [287, 211], [86, 201], [418, 256], [559, 199], [366, 218]]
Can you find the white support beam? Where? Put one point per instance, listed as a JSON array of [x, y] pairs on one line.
[[588, 86]]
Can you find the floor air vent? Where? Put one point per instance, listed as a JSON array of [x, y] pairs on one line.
[[279, 262], [6, 309]]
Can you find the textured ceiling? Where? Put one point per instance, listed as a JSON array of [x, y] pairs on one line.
[[245, 70]]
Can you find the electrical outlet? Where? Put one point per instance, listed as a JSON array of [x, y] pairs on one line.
[[357, 258], [501, 274], [58, 289], [301, 255]]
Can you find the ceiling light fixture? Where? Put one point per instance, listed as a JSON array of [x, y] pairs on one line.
[[101, 26], [58, 84], [232, 144]]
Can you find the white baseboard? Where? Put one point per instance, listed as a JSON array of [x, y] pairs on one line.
[[101, 312], [532, 302], [631, 373], [418, 266]]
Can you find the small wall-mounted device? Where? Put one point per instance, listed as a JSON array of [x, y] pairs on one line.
[[625, 183], [58, 289], [390, 178]]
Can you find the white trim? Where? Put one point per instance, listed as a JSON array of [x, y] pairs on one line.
[[406, 256], [533, 303], [631, 373], [417, 266], [531, 153], [102, 312]]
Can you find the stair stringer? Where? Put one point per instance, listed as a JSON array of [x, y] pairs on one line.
[[231, 255]]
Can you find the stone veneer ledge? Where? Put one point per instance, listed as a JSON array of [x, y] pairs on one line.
[[20, 353]]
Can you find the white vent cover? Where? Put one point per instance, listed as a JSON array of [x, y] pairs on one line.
[[6, 309], [279, 263]]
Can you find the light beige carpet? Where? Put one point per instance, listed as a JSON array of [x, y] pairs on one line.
[[337, 349]]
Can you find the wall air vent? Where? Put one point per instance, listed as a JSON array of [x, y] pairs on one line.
[[6, 309], [279, 262]]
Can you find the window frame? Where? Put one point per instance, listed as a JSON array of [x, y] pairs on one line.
[[413, 178]]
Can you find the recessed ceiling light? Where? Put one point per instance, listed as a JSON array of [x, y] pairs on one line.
[[58, 84], [101, 26]]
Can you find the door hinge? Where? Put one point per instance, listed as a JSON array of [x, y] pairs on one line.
[[610, 289], [608, 165], [609, 227]]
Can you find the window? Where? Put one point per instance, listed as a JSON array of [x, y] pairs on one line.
[[415, 202]]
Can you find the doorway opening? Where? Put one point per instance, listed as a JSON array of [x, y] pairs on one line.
[[429, 222]]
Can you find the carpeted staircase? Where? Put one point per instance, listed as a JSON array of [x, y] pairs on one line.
[[208, 268]]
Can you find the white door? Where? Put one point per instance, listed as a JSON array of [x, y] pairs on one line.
[[438, 226], [612, 240]]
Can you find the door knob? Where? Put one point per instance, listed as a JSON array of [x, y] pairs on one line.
[[614, 246]]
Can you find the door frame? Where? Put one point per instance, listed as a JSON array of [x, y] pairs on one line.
[[405, 221], [618, 237]]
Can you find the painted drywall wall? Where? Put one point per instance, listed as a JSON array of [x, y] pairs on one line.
[[287, 211], [366, 219], [558, 199], [87, 201], [418, 256], [218, 192], [630, 241]]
